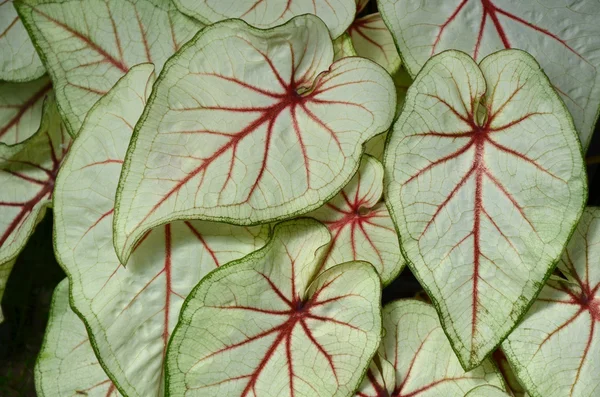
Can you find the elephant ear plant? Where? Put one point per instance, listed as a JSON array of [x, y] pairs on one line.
[[235, 182]]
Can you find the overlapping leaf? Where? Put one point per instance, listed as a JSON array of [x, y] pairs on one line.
[[87, 45], [373, 40], [5, 269], [66, 364], [380, 380], [360, 224], [486, 184], [130, 312], [343, 47], [18, 59], [265, 326], [555, 349], [562, 36], [487, 391], [508, 374], [249, 126], [27, 177], [337, 14]]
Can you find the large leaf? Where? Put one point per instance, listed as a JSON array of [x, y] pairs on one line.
[[5, 269], [487, 391], [360, 224], [249, 126], [21, 109], [425, 364], [373, 40], [555, 349], [562, 36], [486, 184], [87, 45], [337, 14], [18, 59], [66, 364], [265, 326], [130, 312], [27, 180]]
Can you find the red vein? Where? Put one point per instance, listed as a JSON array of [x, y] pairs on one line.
[[24, 108]]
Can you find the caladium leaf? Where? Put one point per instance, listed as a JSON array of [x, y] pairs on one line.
[[360, 224], [130, 312], [372, 39], [337, 14], [87, 45], [554, 350], [343, 47], [473, 155], [508, 374], [18, 59], [66, 364], [27, 180], [380, 380], [487, 391], [265, 326], [5, 270], [425, 364], [556, 34], [274, 134], [21, 109]]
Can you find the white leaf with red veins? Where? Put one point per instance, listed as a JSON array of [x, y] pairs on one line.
[[88, 45], [425, 364], [18, 59], [360, 5], [275, 130], [380, 380], [27, 177], [21, 110], [5, 269], [360, 224], [264, 14], [343, 47], [66, 364], [487, 391], [265, 326], [554, 350], [486, 183], [130, 312], [561, 35], [373, 40]]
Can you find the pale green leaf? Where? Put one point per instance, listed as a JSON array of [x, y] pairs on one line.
[[342, 47], [380, 380], [265, 326], [486, 182], [372, 40], [487, 391], [5, 269], [249, 126]]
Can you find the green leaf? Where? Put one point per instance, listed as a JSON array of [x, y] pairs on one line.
[[360, 224], [487, 391], [486, 183], [87, 45], [66, 364], [276, 129], [373, 40], [18, 59], [554, 350], [561, 35], [380, 380], [27, 174], [130, 312], [265, 326], [509, 375], [343, 47], [337, 14], [5, 269]]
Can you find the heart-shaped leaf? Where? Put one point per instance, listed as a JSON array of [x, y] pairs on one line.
[[87, 45], [130, 312], [18, 59], [66, 364], [554, 350], [486, 183], [373, 40], [249, 126], [265, 326], [360, 224], [380, 380], [562, 36], [337, 14], [418, 349], [27, 176], [5, 269], [487, 391]]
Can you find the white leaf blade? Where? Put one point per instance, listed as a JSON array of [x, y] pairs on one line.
[[487, 391], [380, 380], [372, 40]]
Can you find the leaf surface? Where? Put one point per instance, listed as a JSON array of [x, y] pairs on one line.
[[131, 311], [87, 45], [264, 326], [558, 34], [372, 40], [66, 364], [380, 380], [343, 47], [486, 184], [275, 130], [5, 270], [487, 391], [554, 350]]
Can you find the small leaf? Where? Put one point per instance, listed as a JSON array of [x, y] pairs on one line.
[[27, 176], [380, 380], [337, 14], [486, 184], [275, 130], [487, 391], [5, 269], [360, 224], [263, 326], [66, 364], [87, 45], [554, 350], [373, 40], [343, 47]]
